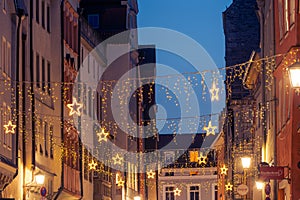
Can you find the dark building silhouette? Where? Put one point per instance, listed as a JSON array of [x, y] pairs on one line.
[[242, 35], [110, 17]]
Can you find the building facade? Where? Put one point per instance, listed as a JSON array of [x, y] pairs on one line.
[[287, 112], [260, 81], [186, 173], [242, 35]]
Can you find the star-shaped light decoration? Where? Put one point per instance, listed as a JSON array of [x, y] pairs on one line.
[[202, 159], [117, 159], [214, 91], [224, 170], [9, 128], [228, 187], [120, 183], [150, 174], [75, 107], [177, 192], [93, 165], [210, 129], [102, 136]]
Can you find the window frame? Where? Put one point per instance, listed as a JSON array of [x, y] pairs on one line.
[[213, 191], [37, 11], [48, 21], [165, 191], [189, 190]]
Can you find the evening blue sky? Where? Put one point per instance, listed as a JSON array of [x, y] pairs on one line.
[[199, 19]]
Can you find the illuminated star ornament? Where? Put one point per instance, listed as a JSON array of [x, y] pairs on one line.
[[224, 170], [75, 107], [177, 192], [214, 91], [229, 187], [92, 165], [202, 159], [117, 159], [210, 130], [9, 128], [150, 174], [120, 183], [102, 136]]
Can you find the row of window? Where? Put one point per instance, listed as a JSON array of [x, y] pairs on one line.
[[43, 74], [193, 156], [132, 177], [71, 30], [287, 12], [44, 138], [193, 192], [5, 138], [284, 108], [71, 146], [5, 64], [42, 14]]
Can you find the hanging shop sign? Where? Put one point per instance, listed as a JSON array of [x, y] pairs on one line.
[[242, 189], [275, 173]]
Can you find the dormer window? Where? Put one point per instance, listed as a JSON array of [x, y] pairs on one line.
[[93, 20]]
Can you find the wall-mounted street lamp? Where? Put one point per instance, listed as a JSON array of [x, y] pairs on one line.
[[137, 198], [259, 185], [38, 180], [294, 73], [246, 161]]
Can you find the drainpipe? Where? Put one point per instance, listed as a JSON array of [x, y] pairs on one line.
[[275, 113], [79, 119], [32, 88], [60, 189], [21, 15]]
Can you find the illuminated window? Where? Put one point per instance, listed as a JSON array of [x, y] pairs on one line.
[[194, 156], [286, 16]]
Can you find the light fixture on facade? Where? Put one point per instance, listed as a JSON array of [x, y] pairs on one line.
[[259, 185], [137, 198], [246, 161], [294, 73], [39, 178]]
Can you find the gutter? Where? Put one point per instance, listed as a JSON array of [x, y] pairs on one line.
[[21, 13], [79, 119], [60, 189]]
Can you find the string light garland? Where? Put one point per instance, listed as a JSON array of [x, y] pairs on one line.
[[196, 78], [214, 91]]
